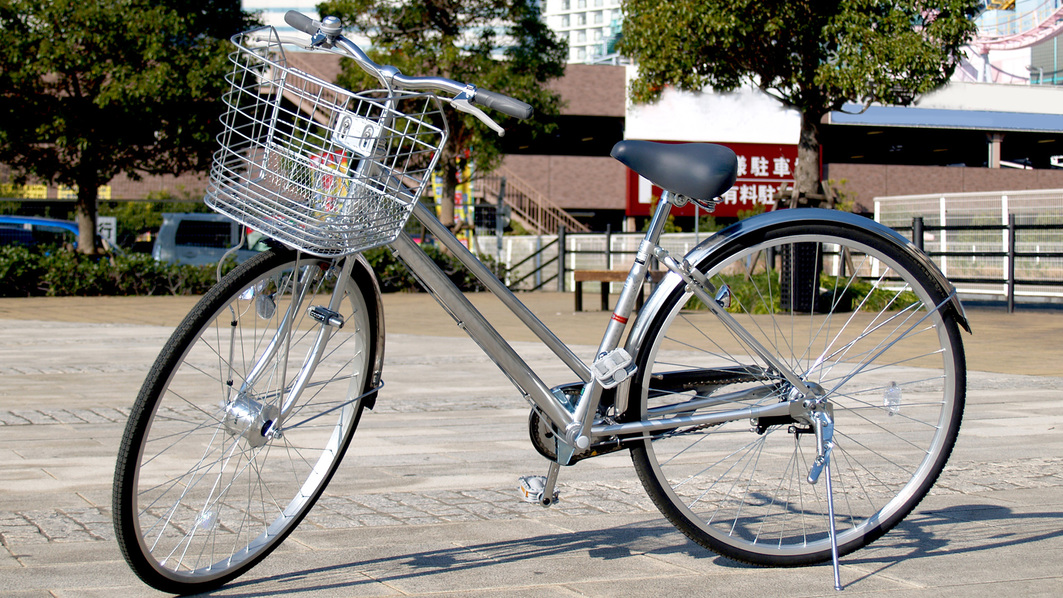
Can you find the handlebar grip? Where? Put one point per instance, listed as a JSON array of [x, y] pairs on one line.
[[502, 103], [302, 22]]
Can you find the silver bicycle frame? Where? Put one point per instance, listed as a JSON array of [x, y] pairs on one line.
[[574, 422]]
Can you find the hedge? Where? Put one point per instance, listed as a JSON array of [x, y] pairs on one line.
[[56, 272]]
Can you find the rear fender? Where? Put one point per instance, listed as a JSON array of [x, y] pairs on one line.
[[736, 236]]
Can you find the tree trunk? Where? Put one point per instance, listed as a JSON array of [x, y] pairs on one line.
[[450, 188], [806, 175], [85, 215], [801, 261]]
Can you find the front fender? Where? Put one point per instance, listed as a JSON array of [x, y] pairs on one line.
[[366, 279], [732, 237]]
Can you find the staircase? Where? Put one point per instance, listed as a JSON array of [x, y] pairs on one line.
[[527, 206]]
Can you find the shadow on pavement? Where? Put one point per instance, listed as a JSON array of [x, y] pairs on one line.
[[924, 534]]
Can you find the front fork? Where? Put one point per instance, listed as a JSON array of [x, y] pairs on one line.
[[260, 421]]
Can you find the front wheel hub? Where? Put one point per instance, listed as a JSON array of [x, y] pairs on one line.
[[250, 419]]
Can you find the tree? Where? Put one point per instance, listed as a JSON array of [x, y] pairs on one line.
[[813, 56], [90, 89], [499, 45]]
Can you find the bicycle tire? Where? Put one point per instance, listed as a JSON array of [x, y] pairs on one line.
[[739, 488], [198, 501]]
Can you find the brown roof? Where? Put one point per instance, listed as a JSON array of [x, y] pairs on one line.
[[586, 89]]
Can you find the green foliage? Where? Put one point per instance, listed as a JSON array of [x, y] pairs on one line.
[[136, 217], [748, 295], [708, 224], [812, 56], [844, 199], [756, 210], [395, 277], [54, 272], [751, 294], [464, 40], [866, 295], [669, 224], [94, 88]]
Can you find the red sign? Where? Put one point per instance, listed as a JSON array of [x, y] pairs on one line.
[[763, 169]]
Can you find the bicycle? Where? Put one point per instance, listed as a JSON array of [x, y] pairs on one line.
[[732, 399]]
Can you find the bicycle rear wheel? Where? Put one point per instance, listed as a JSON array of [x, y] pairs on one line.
[[872, 341], [201, 494]]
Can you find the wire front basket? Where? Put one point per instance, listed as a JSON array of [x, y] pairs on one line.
[[319, 168]]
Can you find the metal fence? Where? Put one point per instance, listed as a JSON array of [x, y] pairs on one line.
[[532, 261], [969, 236], [998, 245]]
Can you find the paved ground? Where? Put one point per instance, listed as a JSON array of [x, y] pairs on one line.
[[436, 513]]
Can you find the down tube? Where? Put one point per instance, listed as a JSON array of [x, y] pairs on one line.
[[506, 296], [480, 330]]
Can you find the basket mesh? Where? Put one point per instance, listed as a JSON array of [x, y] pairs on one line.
[[317, 167]]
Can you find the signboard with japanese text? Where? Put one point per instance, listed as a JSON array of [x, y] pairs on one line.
[[464, 205], [763, 169]]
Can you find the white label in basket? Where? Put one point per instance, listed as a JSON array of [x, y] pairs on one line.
[[356, 133]]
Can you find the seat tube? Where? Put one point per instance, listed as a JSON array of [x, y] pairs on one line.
[[625, 303]]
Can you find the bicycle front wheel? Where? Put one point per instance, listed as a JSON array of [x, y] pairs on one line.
[[205, 485], [860, 322]]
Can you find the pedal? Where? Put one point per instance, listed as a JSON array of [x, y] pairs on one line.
[[613, 368], [533, 488]]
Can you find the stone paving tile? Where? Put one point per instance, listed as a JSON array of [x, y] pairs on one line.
[[581, 499]]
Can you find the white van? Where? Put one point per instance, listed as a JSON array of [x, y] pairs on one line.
[[197, 239]]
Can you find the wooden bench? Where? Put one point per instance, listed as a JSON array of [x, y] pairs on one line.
[[605, 277]]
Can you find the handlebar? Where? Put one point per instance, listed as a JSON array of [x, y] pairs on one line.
[[302, 22], [327, 32]]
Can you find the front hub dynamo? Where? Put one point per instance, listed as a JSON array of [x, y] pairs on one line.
[[250, 419]]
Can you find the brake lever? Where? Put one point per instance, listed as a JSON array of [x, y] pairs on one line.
[[462, 104]]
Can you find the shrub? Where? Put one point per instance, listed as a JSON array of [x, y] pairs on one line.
[[749, 294], [56, 272], [394, 276]]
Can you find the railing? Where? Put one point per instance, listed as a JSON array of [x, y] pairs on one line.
[[1023, 262], [961, 273], [533, 261], [540, 262], [529, 207]]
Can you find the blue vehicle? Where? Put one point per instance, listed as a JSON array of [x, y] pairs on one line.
[[31, 230]]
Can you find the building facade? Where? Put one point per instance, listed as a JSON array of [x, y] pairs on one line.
[[591, 27]]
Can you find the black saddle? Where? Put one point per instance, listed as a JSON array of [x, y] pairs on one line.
[[700, 171]]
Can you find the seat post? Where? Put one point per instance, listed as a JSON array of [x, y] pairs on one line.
[[626, 301]]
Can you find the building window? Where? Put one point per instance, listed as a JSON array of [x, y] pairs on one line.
[[581, 20], [597, 34], [581, 3], [564, 21], [581, 37], [581, 53], [598, 18]]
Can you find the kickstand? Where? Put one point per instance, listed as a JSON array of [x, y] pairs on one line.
[[823, 422], [833, 532]]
